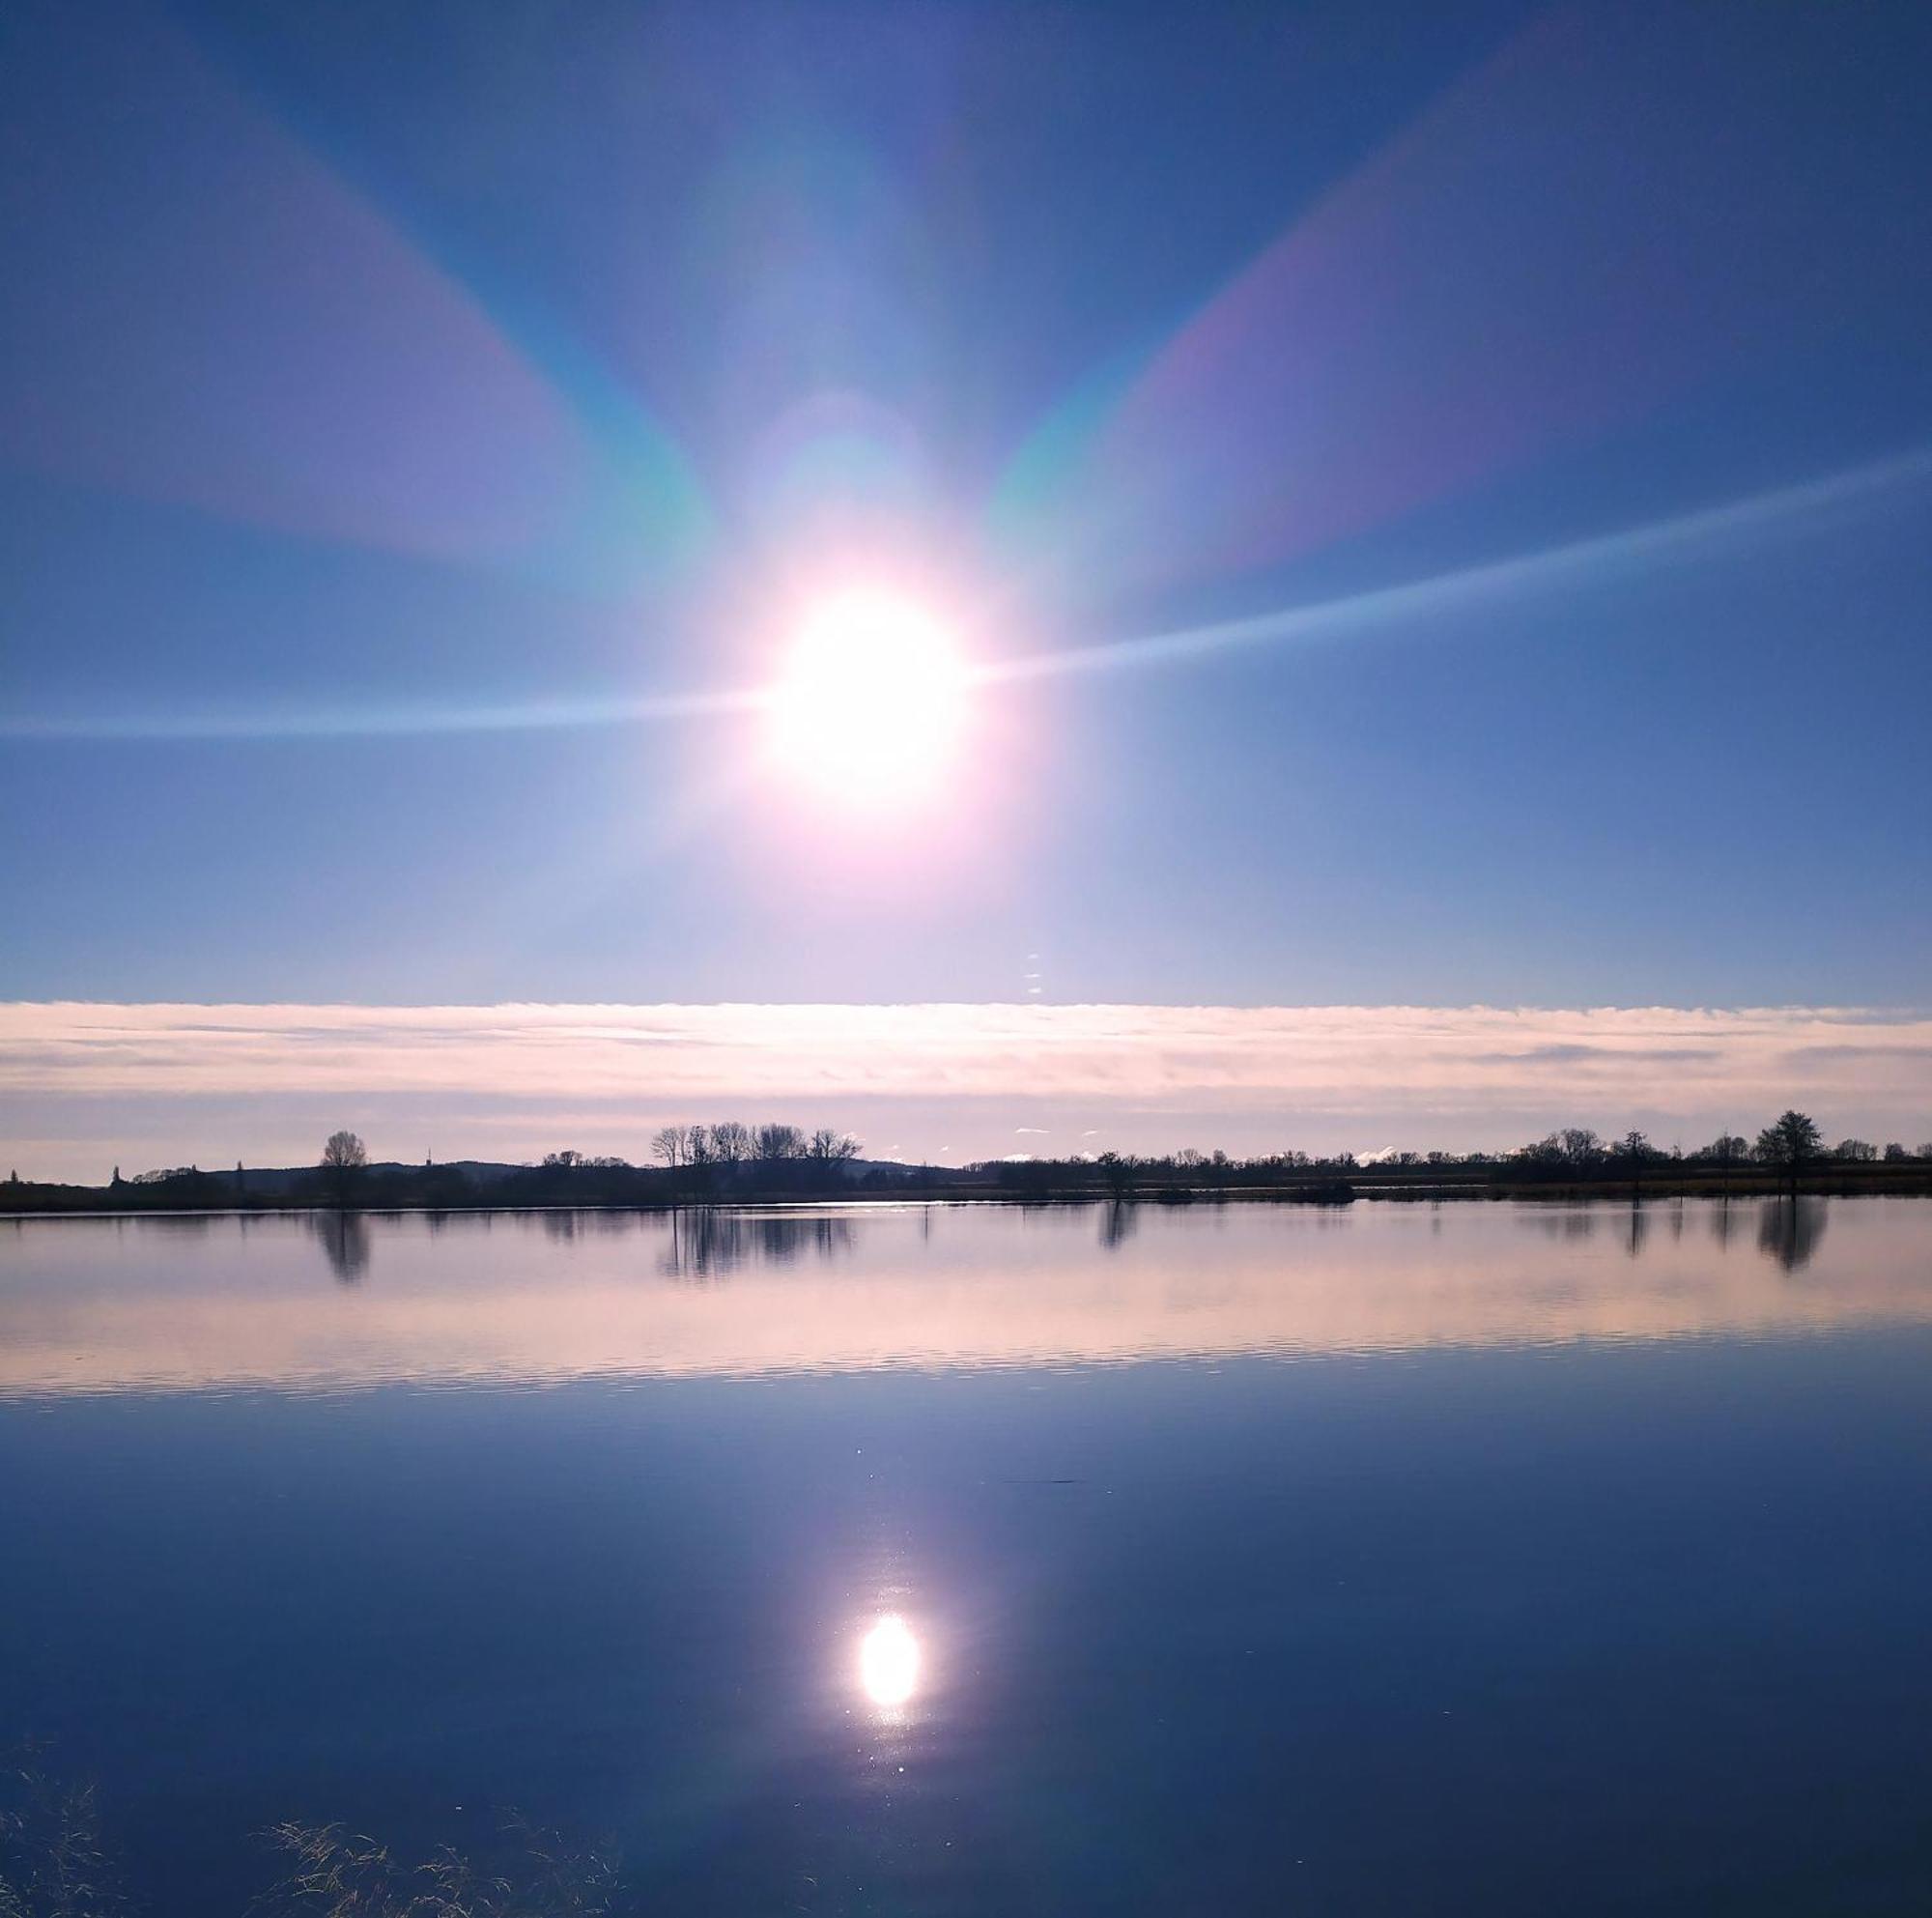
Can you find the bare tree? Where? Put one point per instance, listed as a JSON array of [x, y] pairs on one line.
[[774, 1142], [1859, 1150], [1580, 1146], [730, 1142], [343, 1155], [1635, 1151], [698, 1150], [836, 1148], [667, 1146], [345, 1152]]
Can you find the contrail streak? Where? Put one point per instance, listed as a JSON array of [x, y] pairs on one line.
[[1688, 539], [381, 722], [1692, 537]]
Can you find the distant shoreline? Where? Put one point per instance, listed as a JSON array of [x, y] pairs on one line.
[[1398, 1185]]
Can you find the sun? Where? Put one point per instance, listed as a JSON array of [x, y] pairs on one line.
[[872, 700]]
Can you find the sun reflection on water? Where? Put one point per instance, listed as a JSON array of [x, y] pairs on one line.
[[889, 1663]]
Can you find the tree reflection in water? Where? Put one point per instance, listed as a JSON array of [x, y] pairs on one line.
[[707, 1243], [1639, 1228], [345, 1242], [1723, 1224], [1789, 1230]]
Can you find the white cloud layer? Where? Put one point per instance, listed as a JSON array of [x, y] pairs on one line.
[[1245, 1076]]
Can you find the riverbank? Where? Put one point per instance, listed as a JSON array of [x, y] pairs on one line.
[[1009, 1185]]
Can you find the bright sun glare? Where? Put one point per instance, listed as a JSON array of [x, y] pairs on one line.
[[889, 1662], [871, 701]]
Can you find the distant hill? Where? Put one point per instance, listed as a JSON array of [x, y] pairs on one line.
[[282, 1181], [468, 1182], [275, 1182]]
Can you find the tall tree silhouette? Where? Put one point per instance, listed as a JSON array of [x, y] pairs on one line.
[[343, 1157], [1791, 1143]]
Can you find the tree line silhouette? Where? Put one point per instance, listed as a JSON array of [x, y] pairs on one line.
[[1790, 1149], [731, 1161]]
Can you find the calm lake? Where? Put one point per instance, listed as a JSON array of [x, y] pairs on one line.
[[1481, 1558]]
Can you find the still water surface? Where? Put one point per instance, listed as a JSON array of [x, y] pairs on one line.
[[1487, 1558]]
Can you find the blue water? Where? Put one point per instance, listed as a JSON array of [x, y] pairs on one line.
[[1561, 1566]]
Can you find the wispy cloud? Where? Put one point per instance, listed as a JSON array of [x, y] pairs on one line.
[[1321, 1057], [1241, 1074]]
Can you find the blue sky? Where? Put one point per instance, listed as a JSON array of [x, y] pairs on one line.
[[375, 381]]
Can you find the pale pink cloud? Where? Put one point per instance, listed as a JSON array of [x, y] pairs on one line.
[[1232, 1075], [1321, 1056]]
